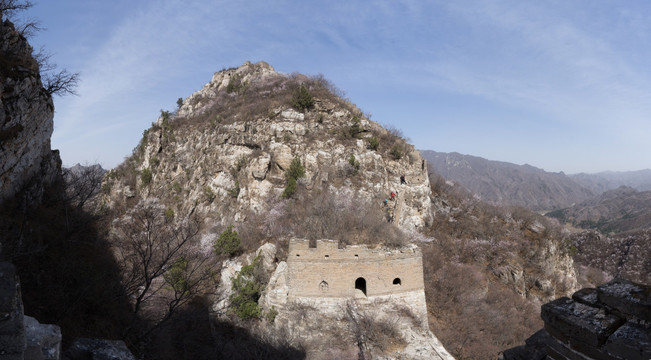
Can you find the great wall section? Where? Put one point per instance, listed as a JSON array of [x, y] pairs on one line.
[[329, 274], [335, 287]]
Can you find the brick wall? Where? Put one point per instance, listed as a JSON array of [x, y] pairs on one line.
[[612, 321], [329, 272]]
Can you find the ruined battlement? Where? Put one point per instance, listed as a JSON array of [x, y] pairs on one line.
[[327, 271], [328, 250]]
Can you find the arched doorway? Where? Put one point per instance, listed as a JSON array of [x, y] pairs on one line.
[[360, 284], [397, 281]]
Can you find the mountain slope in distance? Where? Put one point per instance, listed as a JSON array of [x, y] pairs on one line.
[[506, 183]]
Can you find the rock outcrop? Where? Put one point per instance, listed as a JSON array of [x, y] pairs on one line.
[[98, 349], [225, 152], [26, 121], [612, 321], [43, 340], [12, 322], [23, 337]]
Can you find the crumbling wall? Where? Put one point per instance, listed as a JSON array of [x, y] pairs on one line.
[[612, 321], [353, 271]]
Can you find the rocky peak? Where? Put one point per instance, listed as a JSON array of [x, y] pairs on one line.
[[225, 151]]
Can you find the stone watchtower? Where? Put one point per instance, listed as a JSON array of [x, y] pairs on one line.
[[328, 276]]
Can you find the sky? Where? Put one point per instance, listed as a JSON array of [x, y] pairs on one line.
[[560, 85]]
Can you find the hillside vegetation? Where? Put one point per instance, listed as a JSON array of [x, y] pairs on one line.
[[227, 150], [615, 211], [488, 269]]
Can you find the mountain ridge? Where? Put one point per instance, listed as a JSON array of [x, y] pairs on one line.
[[506, 183], [609, 180], [614, 211]]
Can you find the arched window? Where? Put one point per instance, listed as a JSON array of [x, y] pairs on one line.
[[397, 282], [360, 284], [323, 286]]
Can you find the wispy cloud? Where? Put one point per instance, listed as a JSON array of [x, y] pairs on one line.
[[551, 61], [545, 59]]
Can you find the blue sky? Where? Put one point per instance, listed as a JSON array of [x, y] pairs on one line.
[[561, 85]]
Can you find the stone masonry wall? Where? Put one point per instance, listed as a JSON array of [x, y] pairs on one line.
[[327, 271], [612, 321]]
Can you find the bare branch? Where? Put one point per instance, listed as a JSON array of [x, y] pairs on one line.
[[82, 183], [162, 263], [61, 83], [8, 8], [28, 27]]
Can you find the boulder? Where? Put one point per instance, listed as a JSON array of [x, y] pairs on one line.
[[43, 340], [98, 349]]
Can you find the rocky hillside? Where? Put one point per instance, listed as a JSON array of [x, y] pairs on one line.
[[26, 121], [603, 257], [225, 153], [615, 211], [505, 183], [277, 156], [282, 156], [488, 269]]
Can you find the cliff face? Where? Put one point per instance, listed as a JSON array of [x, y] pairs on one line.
[[226, 150], [26, 121], [27, 165]]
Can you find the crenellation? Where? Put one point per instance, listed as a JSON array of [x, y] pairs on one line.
[[329, 250]]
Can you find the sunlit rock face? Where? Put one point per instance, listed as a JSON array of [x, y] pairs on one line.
[[225, 150]]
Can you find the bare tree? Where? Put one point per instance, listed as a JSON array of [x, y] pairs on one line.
[[26, 27], [8, 8], [55, 82], [60, 83], [82, 183], [163, 266]]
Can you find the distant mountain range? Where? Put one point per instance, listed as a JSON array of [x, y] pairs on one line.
[[614, 211], [607, 201], [639, 180], [506, 183]]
